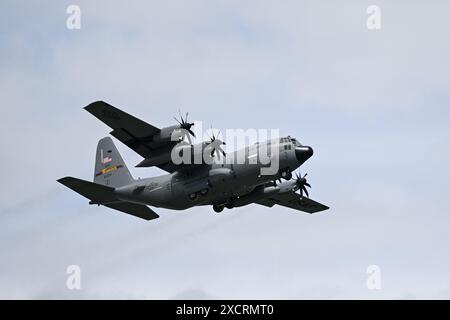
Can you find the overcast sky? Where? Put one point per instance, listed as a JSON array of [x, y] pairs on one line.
[[374, 105]]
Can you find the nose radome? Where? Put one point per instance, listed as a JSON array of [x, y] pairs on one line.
[[303, 153]]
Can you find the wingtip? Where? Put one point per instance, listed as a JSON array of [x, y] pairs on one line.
[[64, 180], [91, 105], [151, 218], [61, 180]]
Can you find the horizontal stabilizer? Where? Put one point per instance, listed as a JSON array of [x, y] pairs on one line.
[[104, 195], [97, 193], [138, 210]]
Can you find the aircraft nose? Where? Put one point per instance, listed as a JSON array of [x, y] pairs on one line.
[[303, 153]]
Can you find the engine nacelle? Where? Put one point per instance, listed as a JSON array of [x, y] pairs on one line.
[[172, 133], [256, 195]]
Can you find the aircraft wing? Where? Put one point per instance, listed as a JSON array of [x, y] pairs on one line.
[[133, 132], [137, 135], [293, 200]]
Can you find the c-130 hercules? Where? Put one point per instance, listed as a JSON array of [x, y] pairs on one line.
[[222, 185]]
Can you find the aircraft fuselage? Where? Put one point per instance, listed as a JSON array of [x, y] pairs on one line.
[[229, 184]]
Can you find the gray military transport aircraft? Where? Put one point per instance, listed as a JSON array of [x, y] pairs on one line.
[[220, 184]]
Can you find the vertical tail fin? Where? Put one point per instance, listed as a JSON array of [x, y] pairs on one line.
[[110, 169]]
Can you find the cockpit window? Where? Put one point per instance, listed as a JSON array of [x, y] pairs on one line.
[[295, 142]]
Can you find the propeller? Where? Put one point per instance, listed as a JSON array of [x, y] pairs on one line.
[[185, 125], [216, 145], [301, 184]]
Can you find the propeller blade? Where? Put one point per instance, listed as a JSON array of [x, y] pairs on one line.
[[306, 191], [191, 132], [189, 138]]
